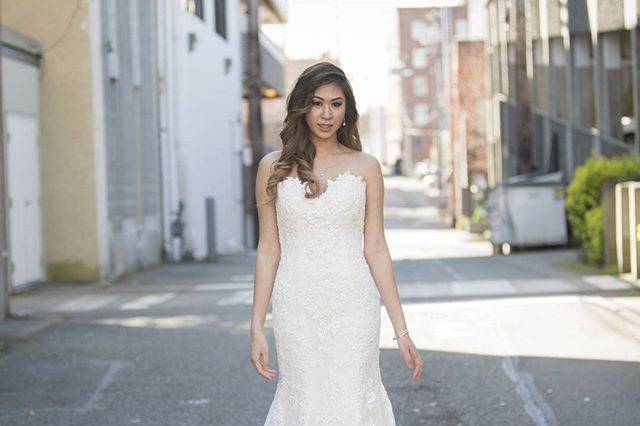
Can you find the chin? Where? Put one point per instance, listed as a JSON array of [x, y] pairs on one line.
[[324, 135]]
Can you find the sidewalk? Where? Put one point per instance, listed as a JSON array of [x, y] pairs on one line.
[[36, 310], [522, 274]]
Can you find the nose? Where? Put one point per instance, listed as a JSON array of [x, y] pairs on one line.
[[326, 112]]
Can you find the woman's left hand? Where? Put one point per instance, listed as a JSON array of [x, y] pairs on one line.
[[412, 358]]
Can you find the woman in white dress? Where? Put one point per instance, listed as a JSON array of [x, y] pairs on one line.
[[323, 261]]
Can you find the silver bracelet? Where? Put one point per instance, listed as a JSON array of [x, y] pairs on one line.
[[402, 333]]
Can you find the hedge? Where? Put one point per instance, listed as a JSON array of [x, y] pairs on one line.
[[583, 203]]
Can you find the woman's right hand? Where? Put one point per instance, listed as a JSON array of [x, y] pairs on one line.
[[260, 355]]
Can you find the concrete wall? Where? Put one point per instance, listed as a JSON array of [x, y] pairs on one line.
[[131, 133], [205, 103], [67, 133]]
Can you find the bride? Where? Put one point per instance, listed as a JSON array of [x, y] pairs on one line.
[[323, 261]]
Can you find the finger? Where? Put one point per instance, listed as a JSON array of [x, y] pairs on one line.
[[408, 360], [264, 371], [269, 375], [259, 367], [419, 368]]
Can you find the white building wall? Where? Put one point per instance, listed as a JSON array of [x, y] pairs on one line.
[[203, 111]]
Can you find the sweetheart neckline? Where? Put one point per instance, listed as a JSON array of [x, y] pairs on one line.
[[330, 181]]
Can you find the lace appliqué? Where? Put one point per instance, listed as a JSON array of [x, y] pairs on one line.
[[326, 311]]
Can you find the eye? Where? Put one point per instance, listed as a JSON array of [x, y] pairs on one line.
[[316, 103], [337, 104]]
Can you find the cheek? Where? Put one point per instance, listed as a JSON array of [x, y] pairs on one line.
[[312, 116]]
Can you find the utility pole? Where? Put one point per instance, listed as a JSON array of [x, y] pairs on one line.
[[254, 94], [523, 113], [4, 252]]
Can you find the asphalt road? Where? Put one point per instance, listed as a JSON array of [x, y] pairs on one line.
[[517, 340]]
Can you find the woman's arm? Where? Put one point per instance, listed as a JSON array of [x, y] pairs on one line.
[[268, 251], [267, 259], [376, 253]]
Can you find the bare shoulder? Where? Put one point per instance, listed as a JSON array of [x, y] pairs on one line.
[[267, 161], [368, 166]]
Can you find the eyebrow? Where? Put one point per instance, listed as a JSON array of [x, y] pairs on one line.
[[334, 99]]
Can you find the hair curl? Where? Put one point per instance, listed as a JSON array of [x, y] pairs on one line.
[[297, 147]]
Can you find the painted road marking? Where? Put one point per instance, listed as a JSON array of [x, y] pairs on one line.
[[244, 277], [104, 382], [85, 303], [482, 288], [242, 297], [147, 301], [223, 286]]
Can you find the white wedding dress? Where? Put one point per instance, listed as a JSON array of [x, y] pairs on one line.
[[326, 311]]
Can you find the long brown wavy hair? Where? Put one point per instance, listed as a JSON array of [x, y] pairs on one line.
[[297, 146]]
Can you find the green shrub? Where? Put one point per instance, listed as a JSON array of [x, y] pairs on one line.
[[583, 203], [593, 244]]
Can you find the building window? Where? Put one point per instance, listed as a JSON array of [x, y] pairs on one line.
[[582, 53], [220, 21], [419, 57], [419, 85], [558, 102], [421, 114], [582, 75], [417, 31], [425, 33], [462, 27], [195, 7]]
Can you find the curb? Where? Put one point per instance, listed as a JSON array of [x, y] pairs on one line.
[[22, 328]]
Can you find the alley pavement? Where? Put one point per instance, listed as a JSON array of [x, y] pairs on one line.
[[524, 339]]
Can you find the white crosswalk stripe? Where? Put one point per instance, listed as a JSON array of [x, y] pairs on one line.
[[145, 302], [85, 303], [223, 286], [243, 297]]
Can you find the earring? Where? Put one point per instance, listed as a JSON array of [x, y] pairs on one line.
[[344, 123]]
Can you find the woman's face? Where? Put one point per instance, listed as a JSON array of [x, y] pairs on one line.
[[327, 111]]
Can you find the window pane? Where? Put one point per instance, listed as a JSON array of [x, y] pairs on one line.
[[419, 57], [421, 114], [195, 7], [220, 20]]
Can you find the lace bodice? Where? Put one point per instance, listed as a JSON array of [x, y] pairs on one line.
[[325, 229]]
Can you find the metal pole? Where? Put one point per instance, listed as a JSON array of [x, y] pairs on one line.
[[210, 214], [4, 251], [523, 116], [255, 112]]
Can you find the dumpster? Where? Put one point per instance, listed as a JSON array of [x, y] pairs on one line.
[[527, 211]]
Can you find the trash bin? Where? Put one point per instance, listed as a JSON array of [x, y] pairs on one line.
[[527, 211]]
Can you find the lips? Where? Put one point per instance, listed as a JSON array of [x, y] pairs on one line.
[[325, 127]]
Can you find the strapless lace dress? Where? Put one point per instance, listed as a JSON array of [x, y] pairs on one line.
[[326, 311]]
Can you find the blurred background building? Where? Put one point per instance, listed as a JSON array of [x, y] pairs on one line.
[[125, 119], [563, 84], [443, 93]]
